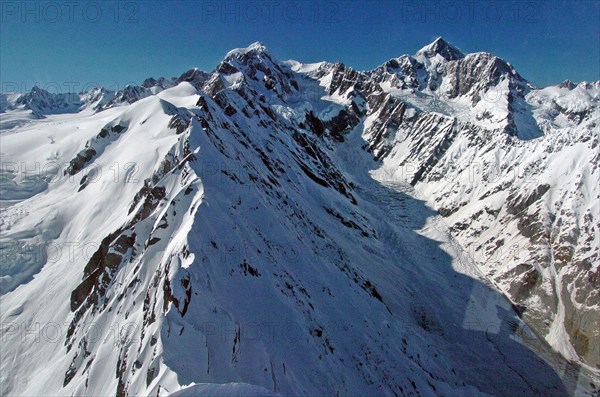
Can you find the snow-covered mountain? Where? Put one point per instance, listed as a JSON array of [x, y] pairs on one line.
[[429, 227], [39, 102]]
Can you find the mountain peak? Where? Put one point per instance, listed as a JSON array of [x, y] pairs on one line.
[[443, 48], [256, 47], [567, 84], [36, 89]]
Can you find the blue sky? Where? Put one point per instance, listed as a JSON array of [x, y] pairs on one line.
[[62, 44]]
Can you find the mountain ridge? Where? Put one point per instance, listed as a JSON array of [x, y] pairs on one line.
[[315, 198], [438, 46]]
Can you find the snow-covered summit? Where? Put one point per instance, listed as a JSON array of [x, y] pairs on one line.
[[441, 47], [256, 47]]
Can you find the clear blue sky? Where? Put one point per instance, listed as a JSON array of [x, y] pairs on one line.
[[113, 43]]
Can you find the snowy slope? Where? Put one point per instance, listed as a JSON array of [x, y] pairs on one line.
[[510, 167], [230, 233]]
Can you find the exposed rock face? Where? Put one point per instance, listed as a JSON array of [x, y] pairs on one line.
[[476, 74], [496, 194], [42, 102], [443, 48]]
